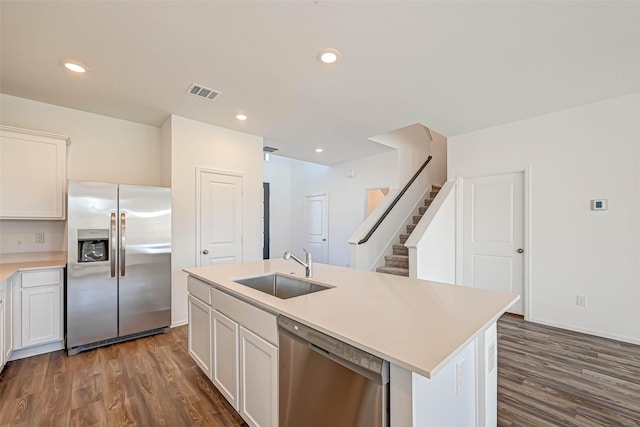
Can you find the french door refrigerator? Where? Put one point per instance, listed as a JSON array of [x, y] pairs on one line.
[[119, 263]]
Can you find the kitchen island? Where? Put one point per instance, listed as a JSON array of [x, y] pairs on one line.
[[440, 339]]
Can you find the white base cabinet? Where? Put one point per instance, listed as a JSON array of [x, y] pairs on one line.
[[259, 380], [200, 334], [225, 374], [243, 353], [37, 310]]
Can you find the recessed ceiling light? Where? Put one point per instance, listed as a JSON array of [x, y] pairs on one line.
[[328, 56], [241, 117], [319, 150], [76, 68]]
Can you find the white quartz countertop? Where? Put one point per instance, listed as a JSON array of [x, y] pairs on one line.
[[416, 324], [12, 263]]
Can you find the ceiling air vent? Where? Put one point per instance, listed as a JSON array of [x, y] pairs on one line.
[[203, 92], [269, 149]]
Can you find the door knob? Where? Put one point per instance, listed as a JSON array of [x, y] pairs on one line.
[[520, 250], [205, 252], [324, 240]]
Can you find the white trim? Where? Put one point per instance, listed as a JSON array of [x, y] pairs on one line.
[[617, 337], [21, 353], [199, 171], [179, 323], [526, 268]]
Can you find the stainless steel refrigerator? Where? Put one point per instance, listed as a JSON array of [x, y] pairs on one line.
[[119, 263]]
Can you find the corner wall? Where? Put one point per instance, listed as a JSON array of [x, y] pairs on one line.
[[196, 144], [575, 155]]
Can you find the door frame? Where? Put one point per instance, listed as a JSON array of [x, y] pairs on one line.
[[199, 171], [526, 184], [304, 219]]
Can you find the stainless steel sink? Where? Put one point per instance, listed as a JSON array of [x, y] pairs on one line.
[[280, 286]]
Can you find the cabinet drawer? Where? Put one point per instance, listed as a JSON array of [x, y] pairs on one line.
[[40, 278], [199, 289], [256, 320]]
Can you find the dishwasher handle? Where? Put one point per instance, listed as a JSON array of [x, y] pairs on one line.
[[381, 378]]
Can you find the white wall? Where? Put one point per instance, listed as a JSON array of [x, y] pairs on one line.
[[432, 245], [102, 149], [438, 164], [413, 145], [196, 144], [575, 155], [277, 172], [347, 197]]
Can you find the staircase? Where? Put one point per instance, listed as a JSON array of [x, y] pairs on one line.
[[398, 263]]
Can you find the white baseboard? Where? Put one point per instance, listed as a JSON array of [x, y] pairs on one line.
[[616, 337], [179, 323], [36, 350]]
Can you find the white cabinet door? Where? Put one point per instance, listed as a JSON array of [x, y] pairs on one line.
[[3, 359], [225, 357], [41, 315], [33, 174], [8, 321], [259, 380], [200, 334]]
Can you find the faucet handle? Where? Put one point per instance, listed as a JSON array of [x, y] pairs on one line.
[[308, 255]]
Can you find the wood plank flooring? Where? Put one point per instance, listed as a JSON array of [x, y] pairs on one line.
[[553, 377], [546, 377], [151, 381]]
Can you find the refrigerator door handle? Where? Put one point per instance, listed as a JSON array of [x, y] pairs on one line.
[[122, 243], [113, 236]]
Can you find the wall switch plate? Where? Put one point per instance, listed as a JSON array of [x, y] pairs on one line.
[[581, 300], [599, 205], [39, 238], [459, 376]]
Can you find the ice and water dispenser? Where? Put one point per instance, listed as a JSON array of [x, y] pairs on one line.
[[93, 245]]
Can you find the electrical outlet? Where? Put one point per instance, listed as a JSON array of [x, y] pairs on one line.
[[459, 376], [581, 300], [39, 238]]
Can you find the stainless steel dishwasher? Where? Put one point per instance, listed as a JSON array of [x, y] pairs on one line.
[[325, 382]]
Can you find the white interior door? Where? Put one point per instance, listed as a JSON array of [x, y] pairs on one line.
[[220, 218], [493, 234], [316, 220]]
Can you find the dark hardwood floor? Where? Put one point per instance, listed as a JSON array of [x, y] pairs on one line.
[[147, 382], [546, 377], [554, 377]]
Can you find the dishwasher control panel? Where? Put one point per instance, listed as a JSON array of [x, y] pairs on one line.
[[333, 346]]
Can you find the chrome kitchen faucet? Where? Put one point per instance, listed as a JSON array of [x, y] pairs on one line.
[[307, 263]]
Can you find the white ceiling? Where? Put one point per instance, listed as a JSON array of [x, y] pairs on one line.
[[452, 66]]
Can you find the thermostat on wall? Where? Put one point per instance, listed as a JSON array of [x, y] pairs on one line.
[[599, 205]]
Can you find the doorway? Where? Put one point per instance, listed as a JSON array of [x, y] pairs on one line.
[[266, 197], [493, 234], [219, 218], [374, 197], [316, 219]]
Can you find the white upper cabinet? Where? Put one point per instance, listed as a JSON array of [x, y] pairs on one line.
[[33, 173]]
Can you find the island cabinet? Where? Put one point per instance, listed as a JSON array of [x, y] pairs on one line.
[[33, 174], [37, 312], [2, 331], [235, 345]]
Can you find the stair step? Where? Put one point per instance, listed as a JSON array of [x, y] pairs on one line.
[[399, 261], [433, 194], [436, 187], [410, 228], [400, 250], [417, 218], [403, 238], [427, 202], [393, 270], [423, 209]]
